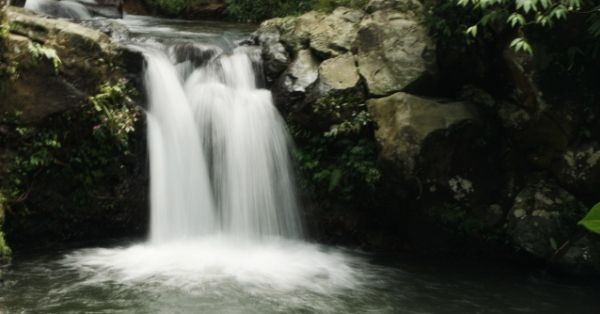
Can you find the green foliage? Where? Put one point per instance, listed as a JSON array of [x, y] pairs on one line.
[[258, 10], [348, 113], [519, 14], [5, 251], [85, 145], [40, 52], [592, 220], [117, 115], [338, 161], [330, 5], [337, 169], [174, 7]]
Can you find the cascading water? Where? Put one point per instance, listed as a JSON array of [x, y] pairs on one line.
[[65, 8], [212, 119], [223, 201]]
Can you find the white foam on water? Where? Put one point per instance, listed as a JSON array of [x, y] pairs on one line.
[[266, 266]]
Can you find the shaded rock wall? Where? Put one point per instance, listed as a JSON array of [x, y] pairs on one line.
[[396, 154], [72, 152]]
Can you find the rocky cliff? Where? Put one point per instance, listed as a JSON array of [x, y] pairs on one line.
[[398, 151], [71, 136]]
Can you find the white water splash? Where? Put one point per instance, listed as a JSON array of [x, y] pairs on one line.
[[275, 265]]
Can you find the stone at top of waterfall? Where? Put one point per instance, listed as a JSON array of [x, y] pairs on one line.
[[198, 54], [86, 53]]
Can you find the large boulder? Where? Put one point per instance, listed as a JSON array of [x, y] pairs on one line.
[[405, 121], [395, 52], [338, 74], [335, 34], [53, 74]]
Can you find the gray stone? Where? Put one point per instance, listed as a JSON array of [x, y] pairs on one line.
[[394, 52], [302, 73], [339, 74]]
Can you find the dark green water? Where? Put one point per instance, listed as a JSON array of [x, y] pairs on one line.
[[58, 283]]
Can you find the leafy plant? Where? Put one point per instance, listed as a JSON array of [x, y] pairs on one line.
[[257, 10], [41, 52], [330, 5], [519, 14], [117, 115], [338, 159], [592, 220], [174, 7]]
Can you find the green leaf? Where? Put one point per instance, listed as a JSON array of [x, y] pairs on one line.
[[592, 220], [472, 31], [516, 19], [521, 45], [334, 180]]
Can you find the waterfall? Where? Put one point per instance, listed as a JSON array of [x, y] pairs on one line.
[[218, 148], [66, 8], [224, 211]]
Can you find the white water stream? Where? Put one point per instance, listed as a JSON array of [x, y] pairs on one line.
[[213, 119], [223, 200]]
